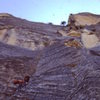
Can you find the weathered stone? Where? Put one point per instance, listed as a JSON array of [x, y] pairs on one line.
[[22, 33], [82, 19], [66, 69]]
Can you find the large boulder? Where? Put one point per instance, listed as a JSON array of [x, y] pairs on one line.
[[83, 19]]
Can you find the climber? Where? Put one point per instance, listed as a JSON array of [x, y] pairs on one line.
[[21, 82], [18, 81]]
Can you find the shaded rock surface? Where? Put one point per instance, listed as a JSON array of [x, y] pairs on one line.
[[57, 79], [15, 63], [26, 34], [68, 68]]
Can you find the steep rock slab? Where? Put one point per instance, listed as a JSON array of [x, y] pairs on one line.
[[11, 69], [15, 63], [64, 73], [55, 78], [15, 51], [26, 34], [89, 88]]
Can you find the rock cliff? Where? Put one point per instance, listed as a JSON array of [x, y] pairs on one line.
[[66, 68], [31, 35]]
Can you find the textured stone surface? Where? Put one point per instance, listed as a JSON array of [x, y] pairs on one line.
[[26, 34], [15, 63], [56, 79], [64, 70], [84, 19]]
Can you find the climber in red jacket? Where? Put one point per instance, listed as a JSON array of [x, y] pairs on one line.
[[21, 82]]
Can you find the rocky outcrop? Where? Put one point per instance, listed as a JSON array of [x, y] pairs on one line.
[[83, 19], [90, 39], [26, 34], [86, 26], [64, 73], [15, 63], [66, 68]]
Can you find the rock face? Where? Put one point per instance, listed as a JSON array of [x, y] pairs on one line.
[[84, 19], [89, 39], [31, 35], [64, 73], [15, 63], [67, 69]]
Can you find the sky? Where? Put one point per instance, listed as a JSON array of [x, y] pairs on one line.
[[47, 11]]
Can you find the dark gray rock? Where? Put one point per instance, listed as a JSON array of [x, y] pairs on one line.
[[64, 73], [15, 63]]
